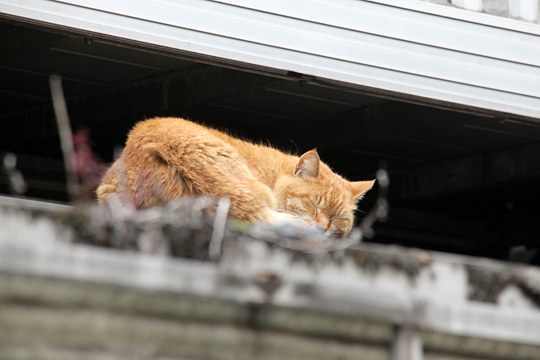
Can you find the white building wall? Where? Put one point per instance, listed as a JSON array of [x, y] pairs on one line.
[[526, 10]]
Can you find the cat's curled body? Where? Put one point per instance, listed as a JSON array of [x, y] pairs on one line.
[[169, 158]]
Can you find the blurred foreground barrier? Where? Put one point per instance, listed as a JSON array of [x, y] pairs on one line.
[[62, 300]]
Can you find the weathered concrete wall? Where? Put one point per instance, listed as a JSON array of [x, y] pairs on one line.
[[261, 300]]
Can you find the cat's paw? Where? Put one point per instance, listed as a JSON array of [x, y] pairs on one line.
[[279, 217], [283, 225]]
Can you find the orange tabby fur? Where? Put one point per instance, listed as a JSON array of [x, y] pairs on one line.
[[168, 158]]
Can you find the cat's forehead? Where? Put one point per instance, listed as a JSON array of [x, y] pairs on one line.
[[331, 189], [325, 189], [337, 188], [336, 198]]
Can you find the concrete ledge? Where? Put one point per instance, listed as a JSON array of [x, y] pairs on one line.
[[58, 299]]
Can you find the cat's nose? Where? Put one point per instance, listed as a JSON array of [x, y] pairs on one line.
[[322, 223]]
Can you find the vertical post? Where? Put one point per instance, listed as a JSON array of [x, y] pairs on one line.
[[65, 133], [407, 344]]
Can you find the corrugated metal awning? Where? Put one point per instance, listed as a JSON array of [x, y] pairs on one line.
[[410, 50]]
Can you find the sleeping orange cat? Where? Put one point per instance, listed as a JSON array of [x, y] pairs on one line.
[[169, 158]]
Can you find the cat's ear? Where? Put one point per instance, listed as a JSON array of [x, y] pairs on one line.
[[359, 188], [308, 165]]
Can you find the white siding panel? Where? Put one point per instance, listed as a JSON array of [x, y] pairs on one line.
[[405, 48]]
